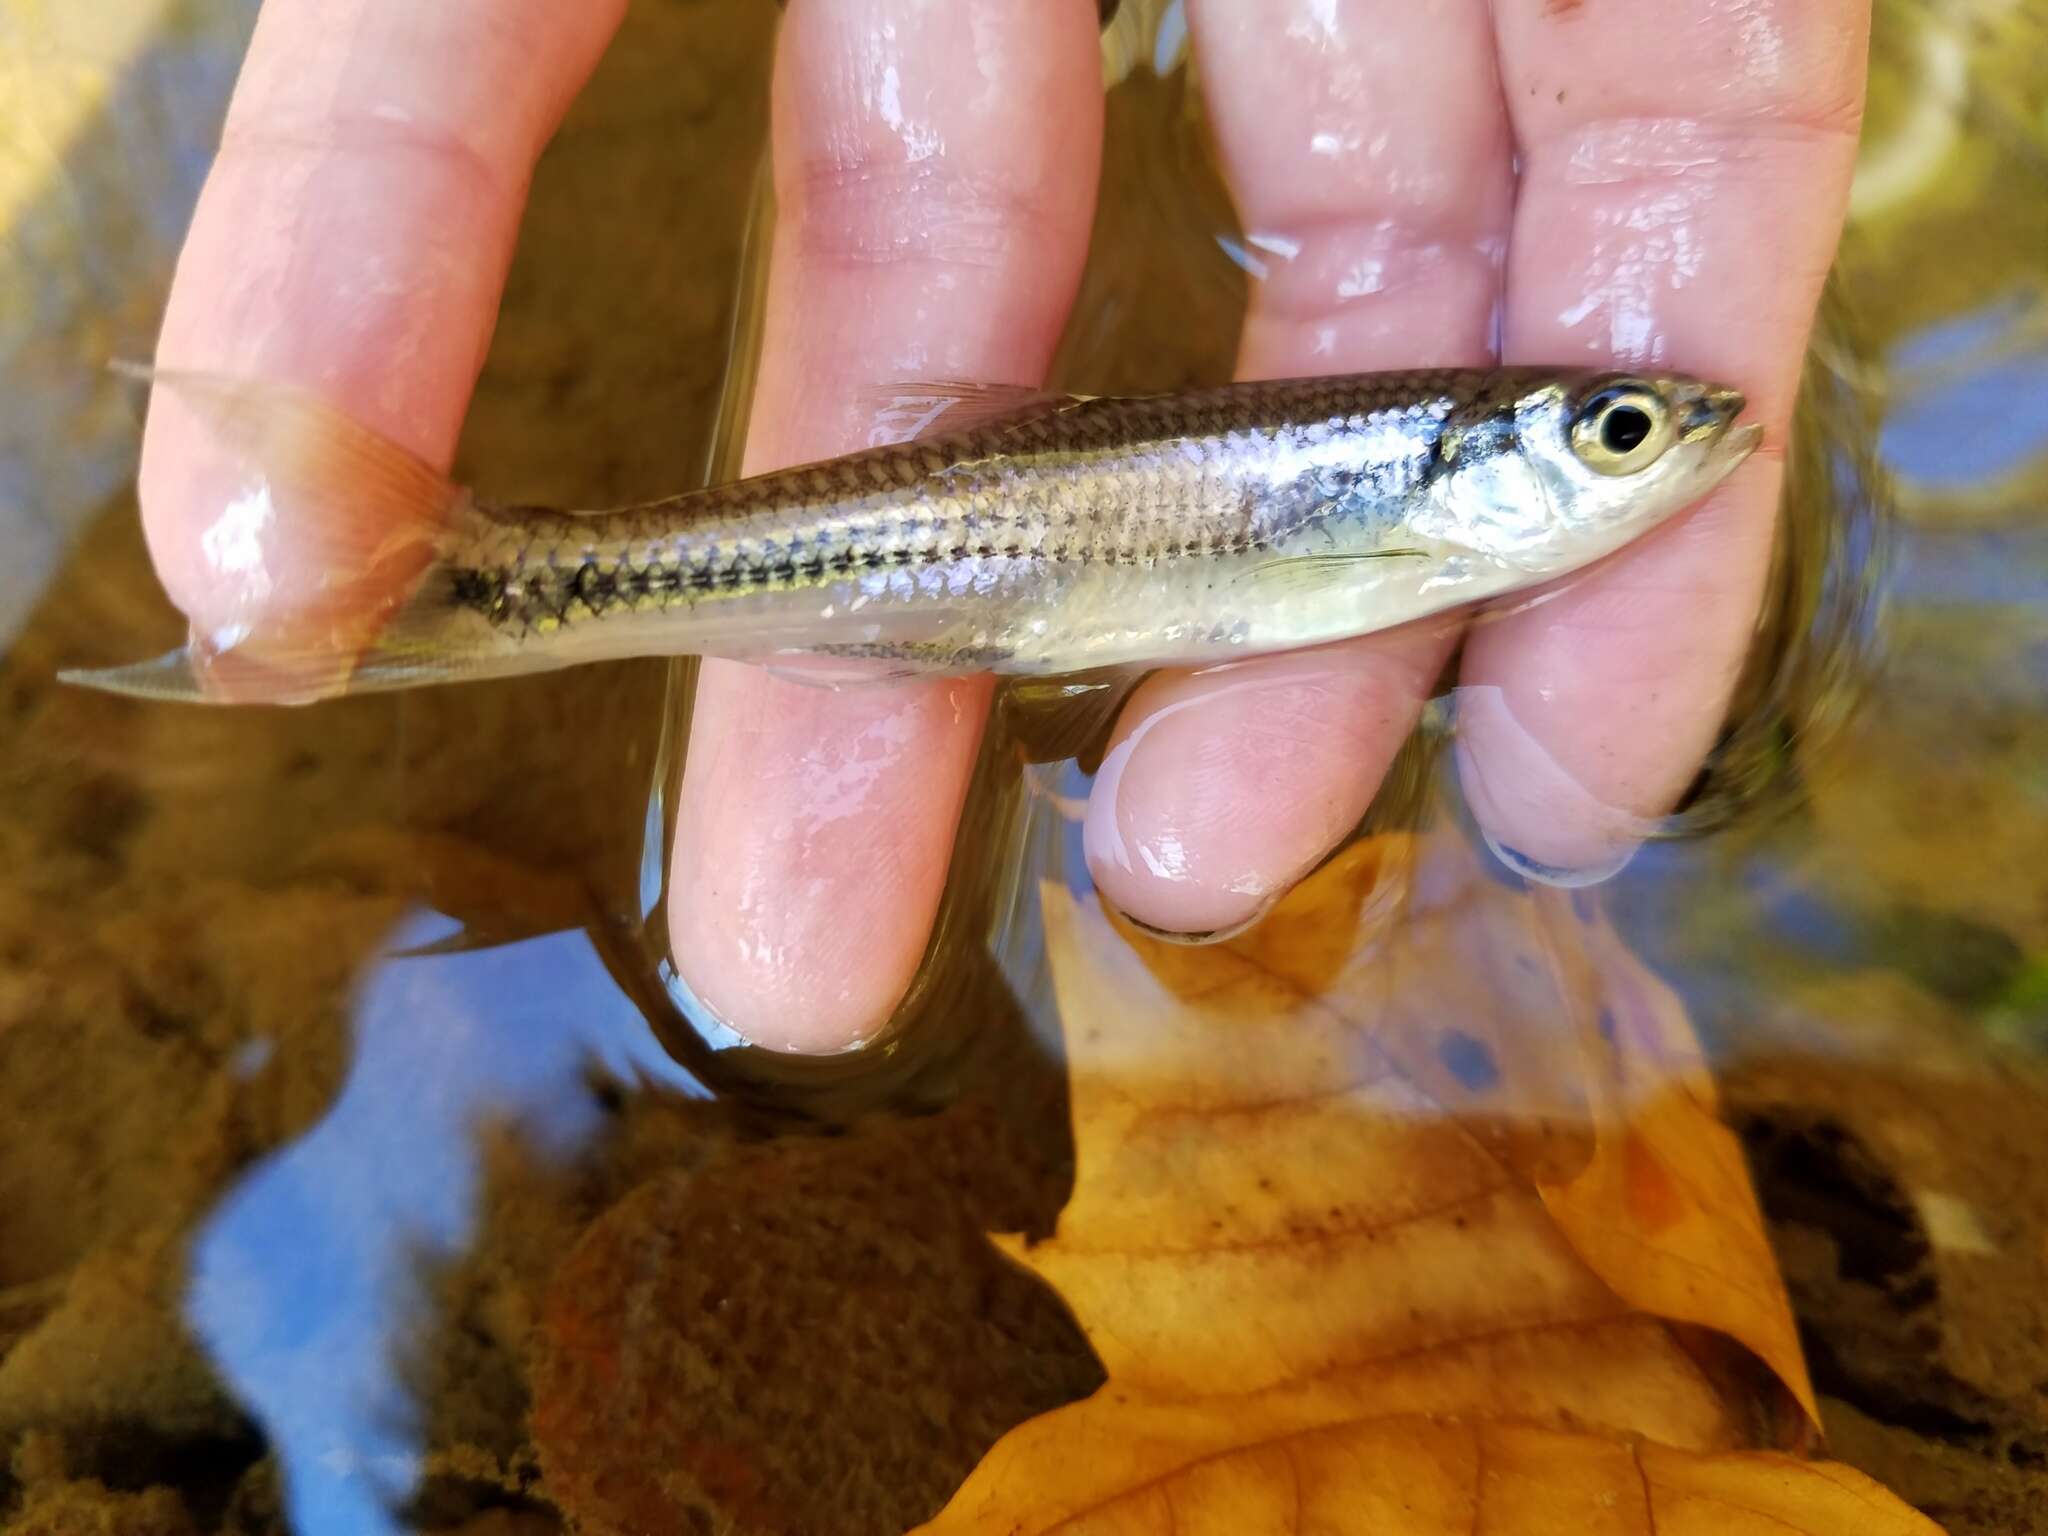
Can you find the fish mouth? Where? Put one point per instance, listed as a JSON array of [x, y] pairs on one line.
[[1714, 413], [1738, 443], [1709, 413]]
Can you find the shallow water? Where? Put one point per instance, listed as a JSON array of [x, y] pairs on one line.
[[326, 1035]]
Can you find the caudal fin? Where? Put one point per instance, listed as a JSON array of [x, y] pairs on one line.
[[359, 601]]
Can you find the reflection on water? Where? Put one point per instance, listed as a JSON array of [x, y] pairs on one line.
[[306, 1280], [333, 1066]]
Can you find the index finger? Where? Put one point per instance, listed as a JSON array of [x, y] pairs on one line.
[[352, 240], [1685, 175]]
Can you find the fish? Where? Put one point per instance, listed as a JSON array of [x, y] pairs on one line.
[[1006, 530]]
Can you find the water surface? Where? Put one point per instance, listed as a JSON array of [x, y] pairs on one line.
[[324, 1035]]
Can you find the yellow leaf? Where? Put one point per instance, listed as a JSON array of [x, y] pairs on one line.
[[1407, 1212]]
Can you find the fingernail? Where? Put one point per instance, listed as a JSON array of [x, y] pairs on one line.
[[1206, 935], [1556, 874]]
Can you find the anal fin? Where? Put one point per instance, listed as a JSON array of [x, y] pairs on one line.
[[851, 666]]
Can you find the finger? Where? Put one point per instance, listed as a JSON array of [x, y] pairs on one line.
[[1685, 172], [935, 173], [1368, 152], [351, 239]]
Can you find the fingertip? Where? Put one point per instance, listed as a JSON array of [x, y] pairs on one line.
[[1136, 838], [184, 485], [285, 526], [1220, 789], [813, 836], [1540, 820], [753, 991]]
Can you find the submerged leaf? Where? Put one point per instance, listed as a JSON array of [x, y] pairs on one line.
[[1406, 1226]]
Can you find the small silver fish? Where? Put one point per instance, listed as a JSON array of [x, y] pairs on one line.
[[1019, 532]]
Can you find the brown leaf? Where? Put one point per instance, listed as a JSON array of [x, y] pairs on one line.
[[1404, 1226]]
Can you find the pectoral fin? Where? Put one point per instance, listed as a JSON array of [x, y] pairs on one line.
[[1299, 573]]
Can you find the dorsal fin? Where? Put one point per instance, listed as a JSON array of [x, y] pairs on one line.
[[905, 410]]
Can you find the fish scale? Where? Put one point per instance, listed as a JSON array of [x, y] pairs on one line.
[[1109, 481], [1023, 533]]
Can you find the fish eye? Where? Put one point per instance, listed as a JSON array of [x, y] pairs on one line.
[[1621, 429], [1624, 427]]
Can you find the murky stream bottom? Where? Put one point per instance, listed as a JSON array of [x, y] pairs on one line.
[[360, 1175]]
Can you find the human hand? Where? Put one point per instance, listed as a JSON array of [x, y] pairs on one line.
[[935, 171], [1683, 175]]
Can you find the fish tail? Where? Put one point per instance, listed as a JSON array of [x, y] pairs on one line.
[[377, 522]]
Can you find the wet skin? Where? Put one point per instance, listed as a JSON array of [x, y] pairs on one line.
[[1683, 173]]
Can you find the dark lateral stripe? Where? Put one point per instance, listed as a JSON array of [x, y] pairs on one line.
[[550, 592]]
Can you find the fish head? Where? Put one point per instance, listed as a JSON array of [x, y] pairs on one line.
[[1556, 469]]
